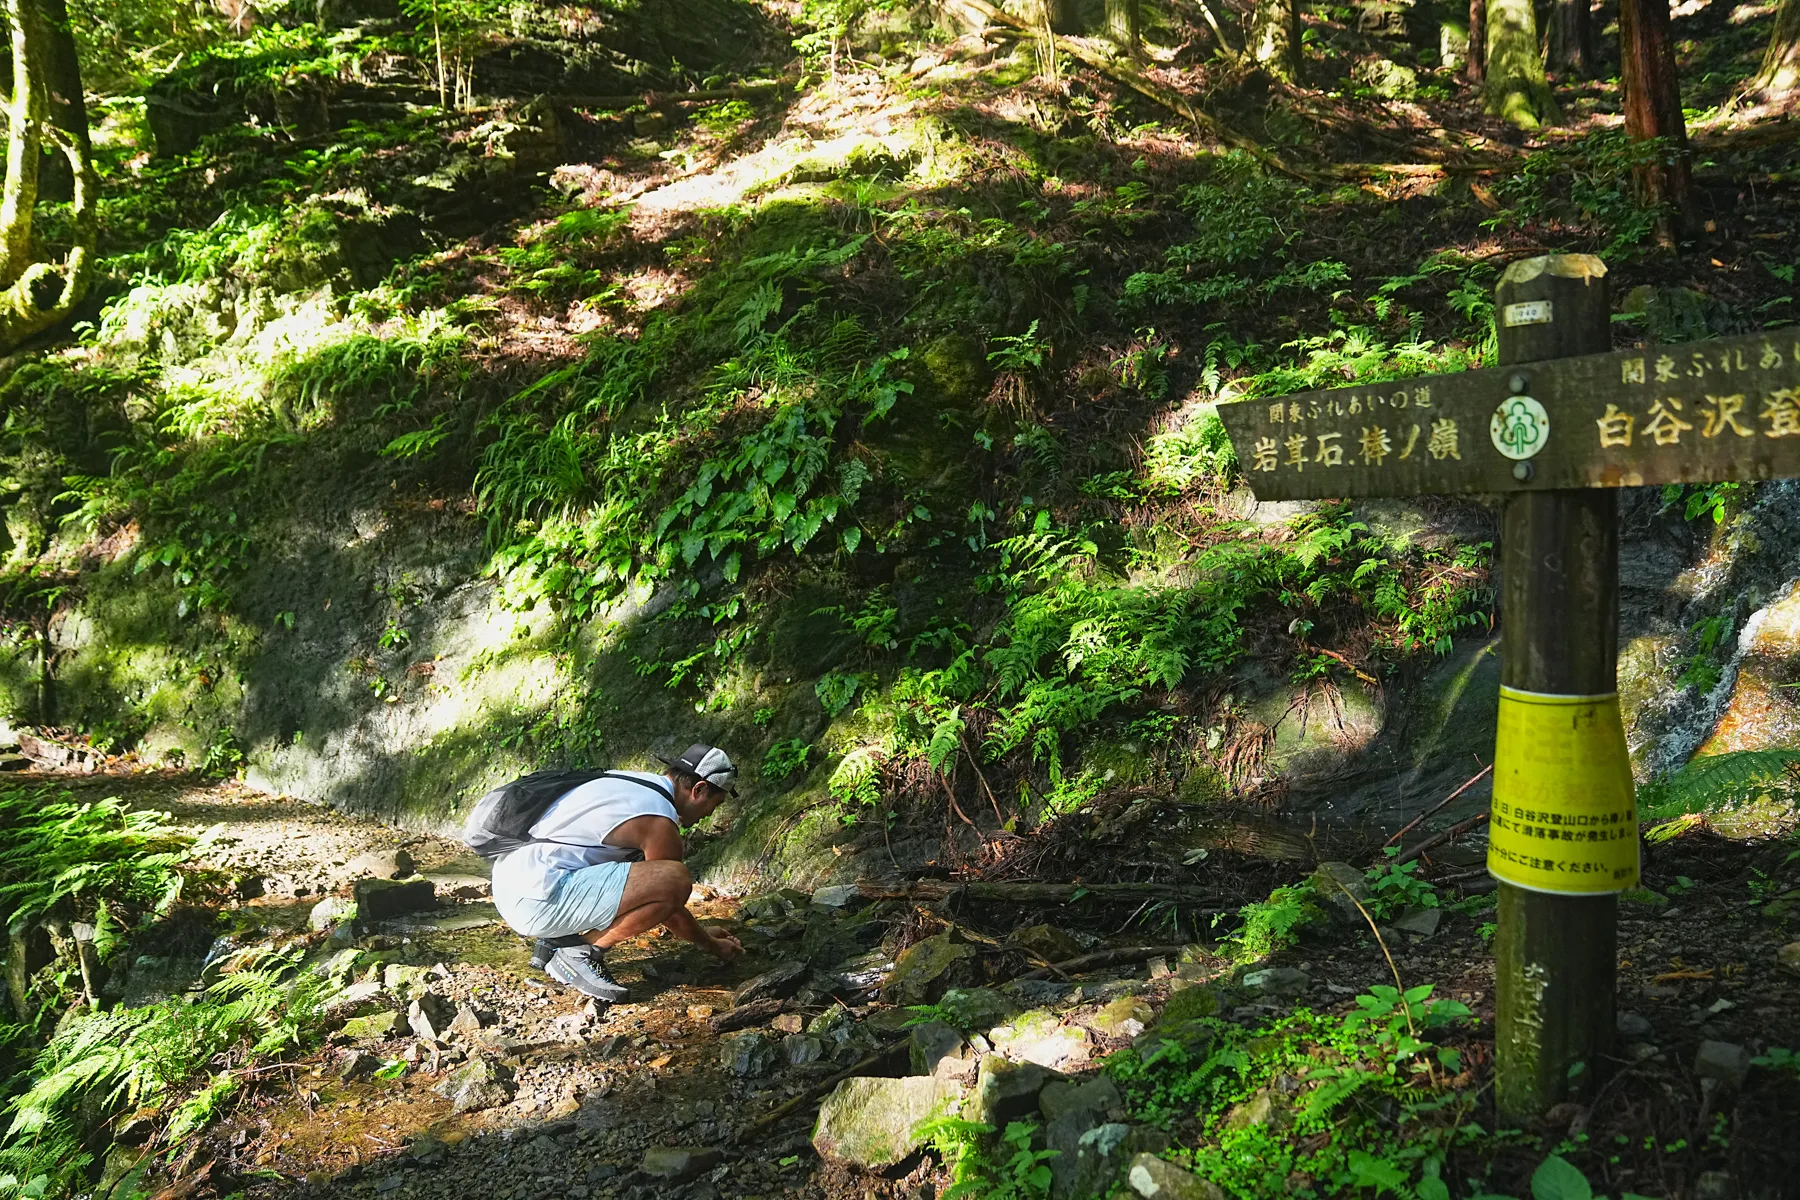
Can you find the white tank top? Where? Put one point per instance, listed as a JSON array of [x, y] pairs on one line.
[[574, 830]]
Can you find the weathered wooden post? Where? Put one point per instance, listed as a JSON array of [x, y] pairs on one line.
[[1554, 431], [1561, 754]]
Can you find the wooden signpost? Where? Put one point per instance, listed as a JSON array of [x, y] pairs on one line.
[[1554, 428]]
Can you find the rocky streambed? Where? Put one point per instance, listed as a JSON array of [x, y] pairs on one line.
[[452, 1069]]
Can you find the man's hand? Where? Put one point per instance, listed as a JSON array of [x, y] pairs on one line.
[[724, 945]]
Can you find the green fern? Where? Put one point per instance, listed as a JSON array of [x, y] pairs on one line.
[[1714, 782]]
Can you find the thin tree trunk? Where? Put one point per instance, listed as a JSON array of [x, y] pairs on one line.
[[1516, 89], [1275, 38], [1653, 110], [48, 104], [1122, 20], [1572, 38], [1780, 73], [1476, 70]]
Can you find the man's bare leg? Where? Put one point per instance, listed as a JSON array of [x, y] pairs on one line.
[[654, 893]]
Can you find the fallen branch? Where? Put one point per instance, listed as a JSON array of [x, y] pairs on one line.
[[1430, 843], [1102, 958], [1433, 811], [753, 1013], [1168, 98], [1028, 893]]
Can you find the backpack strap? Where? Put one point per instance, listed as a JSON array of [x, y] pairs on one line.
[[667, 794]]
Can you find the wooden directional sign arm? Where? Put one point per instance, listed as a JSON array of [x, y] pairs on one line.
[[1728, 408]]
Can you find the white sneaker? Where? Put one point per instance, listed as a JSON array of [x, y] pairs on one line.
[[584, 969]]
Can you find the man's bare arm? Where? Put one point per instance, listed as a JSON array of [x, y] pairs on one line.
[[660, 841]]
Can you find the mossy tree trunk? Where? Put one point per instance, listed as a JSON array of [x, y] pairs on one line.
[[46, 107], [1516, 88], [1476, 69], [1653, 110], [1275, 38], [1780, 74], [1123, 18], [1572, 38]]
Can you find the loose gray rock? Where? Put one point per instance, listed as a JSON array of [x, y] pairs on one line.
[[679, 1164], [1154, 1179], [1277, 981], [328, 912], [1420, 922], [1726, 1062], [380, 864], [431, 1016], [1099, 1155], [1340, 886], [469, 1021], [1091, 1100], [836, 897], [1634, 1026], [802, 1048], [932, 1042], [478, 1083], [776, 984], [1040, 1037], [376, 1025], [926, 969], [357, 1064], [873, 1123], [378, 899], [1007, 1091], [1788, 957], [746, 1054]]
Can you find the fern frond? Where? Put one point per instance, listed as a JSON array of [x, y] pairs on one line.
[[1719, 781]]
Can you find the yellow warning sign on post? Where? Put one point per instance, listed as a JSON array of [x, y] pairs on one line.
[[1564, 817]]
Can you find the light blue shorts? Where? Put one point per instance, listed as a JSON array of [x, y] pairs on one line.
[[582, 900]]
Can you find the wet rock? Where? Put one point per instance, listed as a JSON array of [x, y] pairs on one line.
[[1634, 1026], [477, 1084], [380, 864], [1276, 981], [874, 1123], [926, 969], [1340, 888], [329, 912], [1726, 1062], [932, 1041], [746, 1054], [1154, 1179], [428, 1151], [377, 1025], [357, 1064], [776, 984], [1039, 1037], [1037, 993], [430, 1017], [1125, 1017], [1047, 942], [836, 897], [1007, 1091], [378, 899], [1788, 957], [679, 1164]]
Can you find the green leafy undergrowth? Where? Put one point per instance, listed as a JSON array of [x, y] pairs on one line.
[[985, 1168], [1274, 924], [1718, 782], [1311, 1104], [159, 1057]]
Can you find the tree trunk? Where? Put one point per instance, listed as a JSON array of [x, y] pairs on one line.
[[1572, 38], [1476, 71], [1122, 20], [1653, 110], [1275, 38], [1516, 89], [46, 104], [1780, 73]]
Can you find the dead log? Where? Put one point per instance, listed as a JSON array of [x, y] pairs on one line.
[[1103, 958], [745, 1015]]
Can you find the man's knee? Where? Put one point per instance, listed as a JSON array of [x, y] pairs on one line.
[[671, 881]]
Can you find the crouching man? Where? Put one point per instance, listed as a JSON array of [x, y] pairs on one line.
[[604, 863]]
